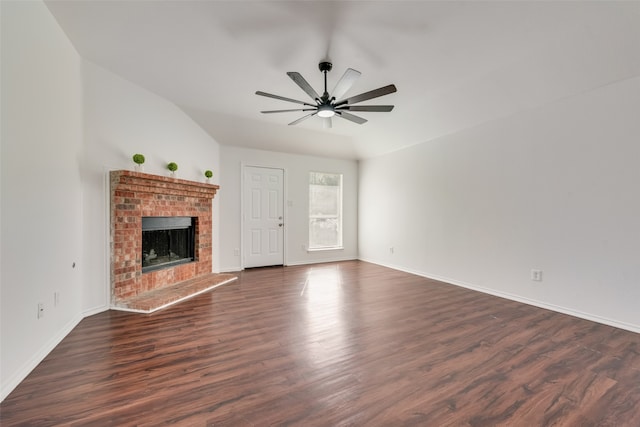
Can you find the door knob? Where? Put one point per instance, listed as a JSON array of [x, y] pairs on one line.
[[280, 225]]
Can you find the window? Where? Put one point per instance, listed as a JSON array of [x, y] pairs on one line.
[[325, 211]]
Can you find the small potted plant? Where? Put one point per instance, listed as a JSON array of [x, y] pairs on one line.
[[173, 167], [138, 159], [208, 174]]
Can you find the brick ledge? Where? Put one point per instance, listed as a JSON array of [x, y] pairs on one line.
[[157, 299]]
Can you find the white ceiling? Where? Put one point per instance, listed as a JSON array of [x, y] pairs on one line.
[[456, 64]]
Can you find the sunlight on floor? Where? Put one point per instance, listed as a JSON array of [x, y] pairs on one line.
[[325, 323]]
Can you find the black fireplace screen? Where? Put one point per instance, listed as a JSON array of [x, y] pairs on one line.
[[167, 241]]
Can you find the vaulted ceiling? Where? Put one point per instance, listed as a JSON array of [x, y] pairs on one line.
[[456, 64]]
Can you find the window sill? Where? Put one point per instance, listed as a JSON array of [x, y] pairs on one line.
[[333, 248]]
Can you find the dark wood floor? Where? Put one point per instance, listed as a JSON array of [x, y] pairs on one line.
[[335, 344]]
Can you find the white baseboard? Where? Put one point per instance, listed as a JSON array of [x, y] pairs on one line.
[[564, 310], [94, 310], [320, 261], [31, 364], [291, 263]]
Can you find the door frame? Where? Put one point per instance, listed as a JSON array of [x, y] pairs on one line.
[[285, 191]]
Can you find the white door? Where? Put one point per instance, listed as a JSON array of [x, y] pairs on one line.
[[263, 218]]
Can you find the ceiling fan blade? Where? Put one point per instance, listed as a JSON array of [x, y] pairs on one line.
[[351, 117], [327, 123], [300, 81], [282, 98], [295, 122], [287, 111], [376, 108], [344, 84], [368, 95]]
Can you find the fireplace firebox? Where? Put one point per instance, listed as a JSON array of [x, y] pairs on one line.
[[167, 242]]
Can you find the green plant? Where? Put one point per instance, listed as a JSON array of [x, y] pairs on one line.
[[172, 166], [138, 159], [208, 173]]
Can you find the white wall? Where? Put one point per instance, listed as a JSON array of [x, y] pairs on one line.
[[41, 188], [555, 188], [297, 168], [122, 119]]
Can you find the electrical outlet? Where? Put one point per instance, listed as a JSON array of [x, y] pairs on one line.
[[391, 250], [536, 275], [40, 310], [236, 252], [56, 298], [303, 247]]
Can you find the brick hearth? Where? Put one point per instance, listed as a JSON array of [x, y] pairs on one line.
[[134, 195]]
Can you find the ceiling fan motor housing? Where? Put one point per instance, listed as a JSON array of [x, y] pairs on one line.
[[325, 66]]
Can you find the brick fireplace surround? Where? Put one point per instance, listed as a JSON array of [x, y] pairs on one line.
[[136, 194]]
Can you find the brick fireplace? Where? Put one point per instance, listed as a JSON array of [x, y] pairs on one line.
[[135, 195]]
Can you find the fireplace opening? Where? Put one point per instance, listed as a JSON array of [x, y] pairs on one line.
[[167, 241]]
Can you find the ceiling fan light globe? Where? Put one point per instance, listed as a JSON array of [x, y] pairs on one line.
[[326, 112]]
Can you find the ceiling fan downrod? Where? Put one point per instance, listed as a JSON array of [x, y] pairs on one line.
[[325, 67]]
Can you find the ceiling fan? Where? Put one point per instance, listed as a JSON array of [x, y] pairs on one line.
[[330, 105]]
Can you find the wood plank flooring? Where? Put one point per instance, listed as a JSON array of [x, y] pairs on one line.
[[339, 344]]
